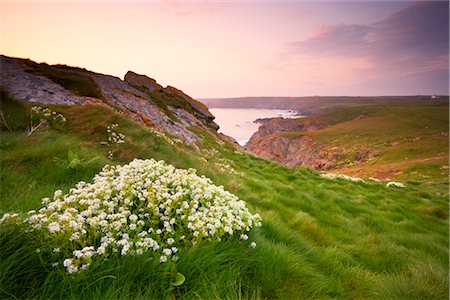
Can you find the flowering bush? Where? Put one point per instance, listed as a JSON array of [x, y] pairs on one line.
[[45, 117], [141, 207]]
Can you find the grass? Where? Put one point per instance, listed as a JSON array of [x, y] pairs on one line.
[[164, 99], [407, 141], [320, 238], [69, 78]]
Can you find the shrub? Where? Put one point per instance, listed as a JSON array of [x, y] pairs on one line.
[[145, 206]]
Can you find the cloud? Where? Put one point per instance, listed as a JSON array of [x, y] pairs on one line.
[[335, 40], [417, 33], [411, 44]]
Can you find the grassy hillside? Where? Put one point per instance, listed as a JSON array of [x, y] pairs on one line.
[[405, 142], [320, 238]]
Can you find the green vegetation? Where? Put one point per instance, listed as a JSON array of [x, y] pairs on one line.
[[320, 238], [405, 142], [163, 100], [69, 78]]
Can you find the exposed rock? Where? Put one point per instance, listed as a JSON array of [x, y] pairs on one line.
[[21, 84], [155, 92], [41, 83], [120, 93], [289, 151], [262, 120], [186, 118], [271, 142], [199, 108], [142, 81], [284, 125], [230, 140]]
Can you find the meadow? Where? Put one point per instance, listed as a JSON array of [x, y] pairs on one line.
[[320, 238], [396, 141]]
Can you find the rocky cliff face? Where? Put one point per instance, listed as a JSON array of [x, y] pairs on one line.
[[142, 98], [273, 125], [287, 141], [170, 98]]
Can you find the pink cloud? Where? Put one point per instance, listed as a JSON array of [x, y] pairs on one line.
[[410, 46]]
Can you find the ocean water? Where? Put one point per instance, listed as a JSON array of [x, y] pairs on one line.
[[238, 122]]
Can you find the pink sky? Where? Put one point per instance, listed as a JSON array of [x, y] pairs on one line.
[[223, 49]]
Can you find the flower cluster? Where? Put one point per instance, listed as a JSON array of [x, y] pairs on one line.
[[9, 218], [224, 166], [395, 184], [45, 117], [211, 153], [47, 114], [114, 137], [163, 136], [341, 176], [145, 206]]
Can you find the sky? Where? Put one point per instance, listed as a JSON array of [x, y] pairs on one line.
[[231, 48]]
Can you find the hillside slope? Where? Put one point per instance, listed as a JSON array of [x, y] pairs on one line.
[[407, 141], [320, 238], [140, 97]]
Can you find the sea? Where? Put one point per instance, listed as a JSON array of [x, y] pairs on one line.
[[239, 122]]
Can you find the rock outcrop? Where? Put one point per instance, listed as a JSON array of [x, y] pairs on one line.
[[142, 82], [273, 125], [200, 109], [18, 79], [142, 98], [170, 98], [287, 142]]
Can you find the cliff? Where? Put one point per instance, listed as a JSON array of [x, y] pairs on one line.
[[382, 141], [141, 97], [288, 141]]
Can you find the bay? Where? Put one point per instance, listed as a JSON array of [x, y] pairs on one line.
[[239, 122]]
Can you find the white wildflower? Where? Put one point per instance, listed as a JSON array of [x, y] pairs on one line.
[[395, 184], [53, 227], [244, 237], [142, 207]]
